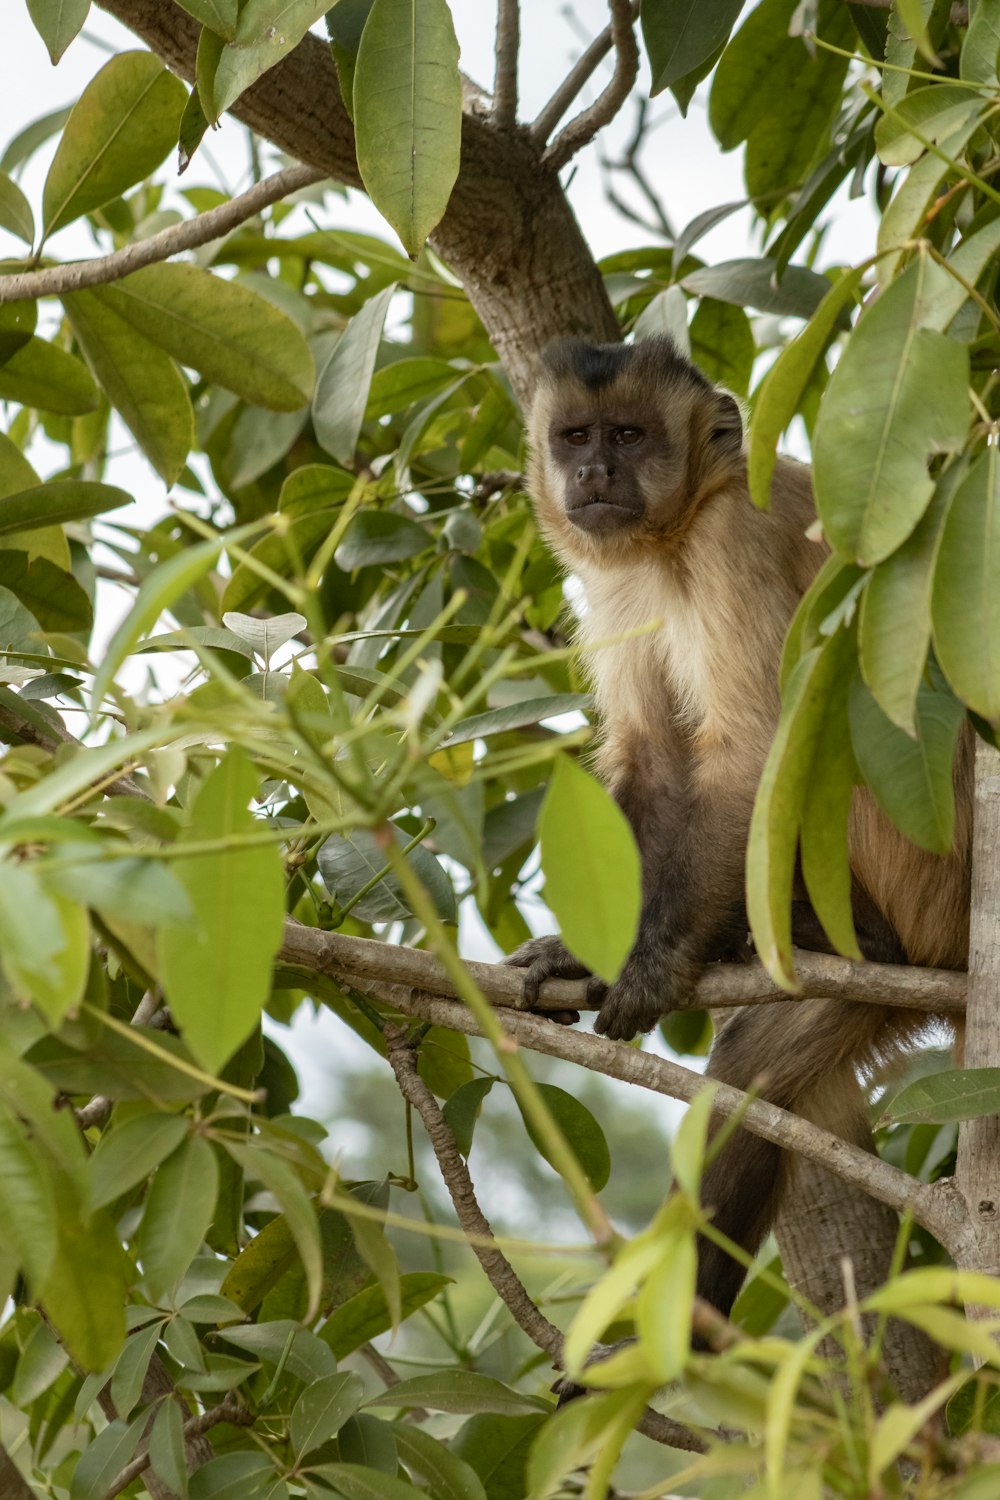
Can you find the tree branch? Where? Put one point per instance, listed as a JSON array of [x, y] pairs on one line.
[[499, 1271], [28, 727], [228, 1410], [13, 1485], [938, 1207], [937, 991], [211, 225], [504, 114], [620, 35]]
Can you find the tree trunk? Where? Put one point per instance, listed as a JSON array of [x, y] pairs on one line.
[[978, 1167]]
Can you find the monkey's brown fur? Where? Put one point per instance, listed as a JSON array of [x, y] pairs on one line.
[[639, 482]]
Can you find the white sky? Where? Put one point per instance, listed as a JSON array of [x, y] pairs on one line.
[[684, 163]]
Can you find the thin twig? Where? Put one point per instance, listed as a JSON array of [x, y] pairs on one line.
[[580, 73], [937, 991], [504, 113], [211, 225], [937, 1207], [228, 1410], [499, 1271]]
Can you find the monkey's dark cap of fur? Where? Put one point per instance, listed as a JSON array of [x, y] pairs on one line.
[[598, 365]]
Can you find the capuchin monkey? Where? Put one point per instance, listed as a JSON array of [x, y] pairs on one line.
[[638, 477]]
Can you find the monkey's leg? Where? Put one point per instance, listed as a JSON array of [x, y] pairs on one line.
[[803, 1057]]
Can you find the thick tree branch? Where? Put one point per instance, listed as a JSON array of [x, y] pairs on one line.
[[938, 1207], [509, 233], [211, 225], [937, 991], [589, 121], [13, 1485], [505, 80], [499, 1271]]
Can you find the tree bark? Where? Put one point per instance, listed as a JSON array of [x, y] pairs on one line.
[[978, 1166], [509, 233]]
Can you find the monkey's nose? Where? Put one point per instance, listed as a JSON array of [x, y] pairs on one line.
[[594, 474]]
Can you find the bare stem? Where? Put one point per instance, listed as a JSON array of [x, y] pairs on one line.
[[211, 225], [505, 80], [620, 35]]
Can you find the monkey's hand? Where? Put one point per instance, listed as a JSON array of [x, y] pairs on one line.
[[653, 982], [547, 958]]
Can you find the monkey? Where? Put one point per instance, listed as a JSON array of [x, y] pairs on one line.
[[637, 472]]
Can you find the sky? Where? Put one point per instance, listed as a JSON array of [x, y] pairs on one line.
[[682, 160]]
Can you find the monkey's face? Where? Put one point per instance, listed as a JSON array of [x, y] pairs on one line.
[[626, 442]]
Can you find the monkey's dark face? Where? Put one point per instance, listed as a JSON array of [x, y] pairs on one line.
[[627, 442], [602, 462]]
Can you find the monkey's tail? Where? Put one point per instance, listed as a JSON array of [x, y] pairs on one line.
[[803, 1057]]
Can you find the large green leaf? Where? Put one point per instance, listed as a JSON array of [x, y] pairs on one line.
[[755, 283], [965, 604], [367, 1313], [219, 16], [122, 126], [56, 502], [126, 1155], [979, 59], [45, 960], [935, 113], [44, 376], [585, 1136], [781, 796], [958, 1094], [823, 832], [178, 1210], [680, 35], [910, 777], [55, 598], [427, 1458], [142, 383], [15, 210], [217, 971], [344, 381], [408, 113], [897, 396], [722, 344], [374, 537], [463, 1391], [27, 1199], [517, 715], [223, 330], [58, 22], [85, 1292], [756, 69], [266, 32], [591, 865], [349, 862], [322, 1409]]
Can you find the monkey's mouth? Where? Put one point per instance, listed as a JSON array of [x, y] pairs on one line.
[[598, 514]]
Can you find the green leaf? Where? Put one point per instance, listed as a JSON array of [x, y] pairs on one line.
[[397, 386], [755, 283], [15, 210], [516, 715], [447, 1476], [85, 1293], [581, 1130], [265, 637], [894, 628], [27, 1199], [266, 32], [823, 833], [356, 1482], [958, 1094], [297, 1206], [778, 810], [219, 16], [142, 383], [58, 22], [933, 113], [681, 34], [757, 67], [322, 1410], [57, 501], [576, 1436], [167, 1457], [120, 129], [241, 1475], [463, 1108], [978, 61], [347, 862], [217, 972], [591, 865], [443, 1061], [965, 603], [897, 395], [462, 1391], [497, 1448], [55, 598], [343, 383], [374, 537], [408, 114], [44, 376], [129, 1153], [225, 331], [103, 1459], [367, 1314], [135, 890], [178, 1210], [42, 1361], [722, 344], [118, 1067]]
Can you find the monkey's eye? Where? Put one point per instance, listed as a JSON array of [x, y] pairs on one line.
[[628, 436], [578, 437]]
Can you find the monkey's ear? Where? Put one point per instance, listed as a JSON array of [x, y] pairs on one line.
[[726, 432]]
